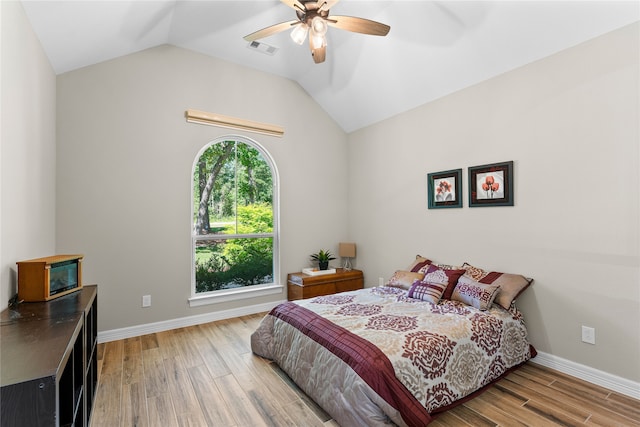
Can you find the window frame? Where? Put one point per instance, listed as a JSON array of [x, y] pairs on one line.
[[245, 292]]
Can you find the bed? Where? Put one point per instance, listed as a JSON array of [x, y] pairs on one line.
[[401, 353]]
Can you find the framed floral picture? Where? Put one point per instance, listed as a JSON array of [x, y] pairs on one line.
[[444, 189], [491, 185]]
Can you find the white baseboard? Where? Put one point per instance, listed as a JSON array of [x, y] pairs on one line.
[[601, 378], [165, 325]]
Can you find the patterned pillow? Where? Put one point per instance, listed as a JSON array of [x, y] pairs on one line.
[[424, 269], [439, 275], [418, 263], [511, 285], [404, 279], [427, 291], [474, 273], [476, 294]]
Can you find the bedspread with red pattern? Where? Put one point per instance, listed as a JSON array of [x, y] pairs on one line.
[[372, 356]]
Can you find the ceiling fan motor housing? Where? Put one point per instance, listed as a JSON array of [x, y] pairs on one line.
[[311, 11]]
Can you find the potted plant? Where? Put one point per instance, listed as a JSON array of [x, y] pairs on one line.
[[323, 257]]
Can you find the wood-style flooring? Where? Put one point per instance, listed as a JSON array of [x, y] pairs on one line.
[[206, 375]]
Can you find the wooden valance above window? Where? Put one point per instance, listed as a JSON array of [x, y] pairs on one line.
[[213, 119]]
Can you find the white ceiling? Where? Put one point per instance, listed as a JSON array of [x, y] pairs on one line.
[[434, 48]]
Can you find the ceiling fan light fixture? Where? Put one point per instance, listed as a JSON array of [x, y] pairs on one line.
[[299, 33], [318, 41], [319, 26]]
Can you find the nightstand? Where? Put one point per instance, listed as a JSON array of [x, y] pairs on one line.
[[301, 286]]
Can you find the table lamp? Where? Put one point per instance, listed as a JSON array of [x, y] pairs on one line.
[[347, 251]]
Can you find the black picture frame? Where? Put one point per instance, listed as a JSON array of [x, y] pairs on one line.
[[491, 185], [444, 189]]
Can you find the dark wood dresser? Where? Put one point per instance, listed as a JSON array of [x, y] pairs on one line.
[[301, 286], [48, 361]]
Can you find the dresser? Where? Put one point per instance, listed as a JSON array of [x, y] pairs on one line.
[[49, 372], [301, 286]]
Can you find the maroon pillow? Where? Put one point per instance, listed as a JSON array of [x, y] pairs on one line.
[[440, 275]]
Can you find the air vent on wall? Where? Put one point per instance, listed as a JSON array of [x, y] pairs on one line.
[[262, 47]]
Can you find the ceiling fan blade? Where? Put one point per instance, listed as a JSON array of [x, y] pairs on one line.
[[319, 54], [358, 25], [325, 5], [294, 4], [265, 32]]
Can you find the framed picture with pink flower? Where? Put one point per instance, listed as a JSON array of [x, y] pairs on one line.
[[444, 189], [491, 185]]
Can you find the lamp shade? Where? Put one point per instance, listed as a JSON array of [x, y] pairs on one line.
[[347, 250]]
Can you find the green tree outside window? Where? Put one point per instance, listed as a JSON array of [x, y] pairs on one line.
[[233, 231]]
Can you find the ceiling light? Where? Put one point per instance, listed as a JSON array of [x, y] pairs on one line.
[[313, 19], [319, 26], [299, 33], [318, 41]]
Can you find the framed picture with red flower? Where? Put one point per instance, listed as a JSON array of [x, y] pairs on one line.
[[491, 185], [444, 189]]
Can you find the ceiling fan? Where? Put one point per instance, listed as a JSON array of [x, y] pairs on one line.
[[313, 18]]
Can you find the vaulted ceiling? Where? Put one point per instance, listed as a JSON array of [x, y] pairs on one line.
[[434, 48]]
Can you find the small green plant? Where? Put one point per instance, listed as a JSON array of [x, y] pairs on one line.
[[322, 258]]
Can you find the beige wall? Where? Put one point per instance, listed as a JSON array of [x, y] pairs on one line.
[[125, 157], [27, 145], [570, 124]]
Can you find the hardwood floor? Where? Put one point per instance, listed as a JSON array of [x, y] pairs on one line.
[[206, 375]]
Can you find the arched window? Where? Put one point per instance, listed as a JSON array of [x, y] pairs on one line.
[[234, 222]]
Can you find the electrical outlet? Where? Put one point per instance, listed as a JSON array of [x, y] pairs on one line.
[[588, 335], [380, 281], [146, 300]]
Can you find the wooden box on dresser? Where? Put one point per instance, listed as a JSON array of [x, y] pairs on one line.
[[301, 286], [48, 361]]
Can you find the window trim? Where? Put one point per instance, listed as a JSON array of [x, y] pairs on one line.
[[215, 297], [224, 295]]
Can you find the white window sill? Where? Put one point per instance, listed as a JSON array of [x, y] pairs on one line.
[[235, 294]]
